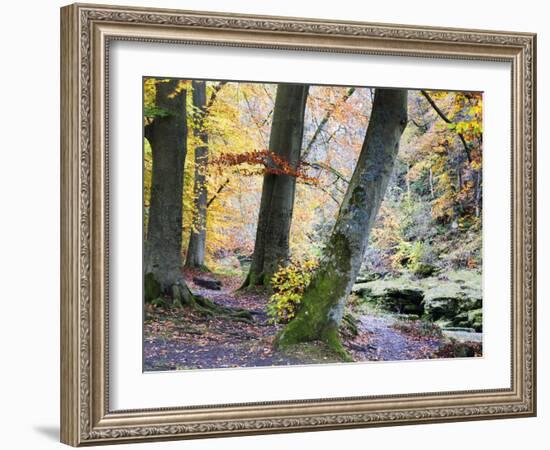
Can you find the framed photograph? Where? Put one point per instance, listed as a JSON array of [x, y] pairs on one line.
[[278, 224]]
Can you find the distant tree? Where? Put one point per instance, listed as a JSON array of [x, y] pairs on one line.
[[197, 240], [271, 247]]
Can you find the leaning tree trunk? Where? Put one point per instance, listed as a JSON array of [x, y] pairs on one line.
[[322, 305], [197, 240], [271, 248], [167, 134]]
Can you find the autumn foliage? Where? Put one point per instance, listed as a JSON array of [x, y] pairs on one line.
[[435, 195], [428, 226], [268, 162]]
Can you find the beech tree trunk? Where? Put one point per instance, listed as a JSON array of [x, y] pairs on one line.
[[197, 240], [271, 248], [167, 134], [322, 305]]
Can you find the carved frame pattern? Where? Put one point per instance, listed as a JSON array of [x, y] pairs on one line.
[[86, 418]]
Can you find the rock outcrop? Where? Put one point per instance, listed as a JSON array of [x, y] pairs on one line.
[[453, 299]]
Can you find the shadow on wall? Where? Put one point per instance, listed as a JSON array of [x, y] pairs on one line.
[[49, 431]]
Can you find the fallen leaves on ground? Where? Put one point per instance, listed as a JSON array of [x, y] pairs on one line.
[[183, 338]]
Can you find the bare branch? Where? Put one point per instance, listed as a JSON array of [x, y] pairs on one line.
[[324, 120], [215, 94], [217, 193], [258, 124], [447, 120], [333, 171]]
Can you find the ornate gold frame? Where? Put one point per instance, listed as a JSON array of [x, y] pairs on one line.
[[86, 31]]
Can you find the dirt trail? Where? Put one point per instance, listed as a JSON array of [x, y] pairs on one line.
[[183, 339], [388, 344]]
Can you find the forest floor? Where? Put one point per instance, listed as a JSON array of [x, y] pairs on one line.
[[184, 339]]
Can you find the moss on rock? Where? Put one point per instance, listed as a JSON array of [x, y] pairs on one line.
[[452, 298]]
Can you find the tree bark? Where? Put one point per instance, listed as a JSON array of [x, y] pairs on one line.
[[197, 240], [478, 190], [271, 248], [322, 305], [167, 134]]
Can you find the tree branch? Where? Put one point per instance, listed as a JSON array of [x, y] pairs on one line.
[[217, 193], [331, 196], [423, 127], [447, 120], [323, 166], [257, 122], [215, 94], [326, 191], [324, 121], [266, 118]]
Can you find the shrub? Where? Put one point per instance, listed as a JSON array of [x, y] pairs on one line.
[[466, 255], [288, 285], [456, 349], [416, 256]]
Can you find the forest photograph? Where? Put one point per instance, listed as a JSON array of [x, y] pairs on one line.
[[294, 224]]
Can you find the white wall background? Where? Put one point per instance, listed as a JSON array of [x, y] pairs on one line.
[[29, 234]]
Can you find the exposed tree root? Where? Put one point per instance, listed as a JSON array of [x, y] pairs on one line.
[[179, 295], [182, 296], [349, 323], [254, 281], [295, 333], [201, 268], [318, 347], [332, 338]]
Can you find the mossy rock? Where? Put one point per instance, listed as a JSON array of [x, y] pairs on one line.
[[367, 277], [444, 323], [423, 270], [392, 296], [407, 317], [475, 318], [448, 297], [362, 290]]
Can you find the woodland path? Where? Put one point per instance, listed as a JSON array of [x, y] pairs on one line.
[[183, 339], [388, 344]]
